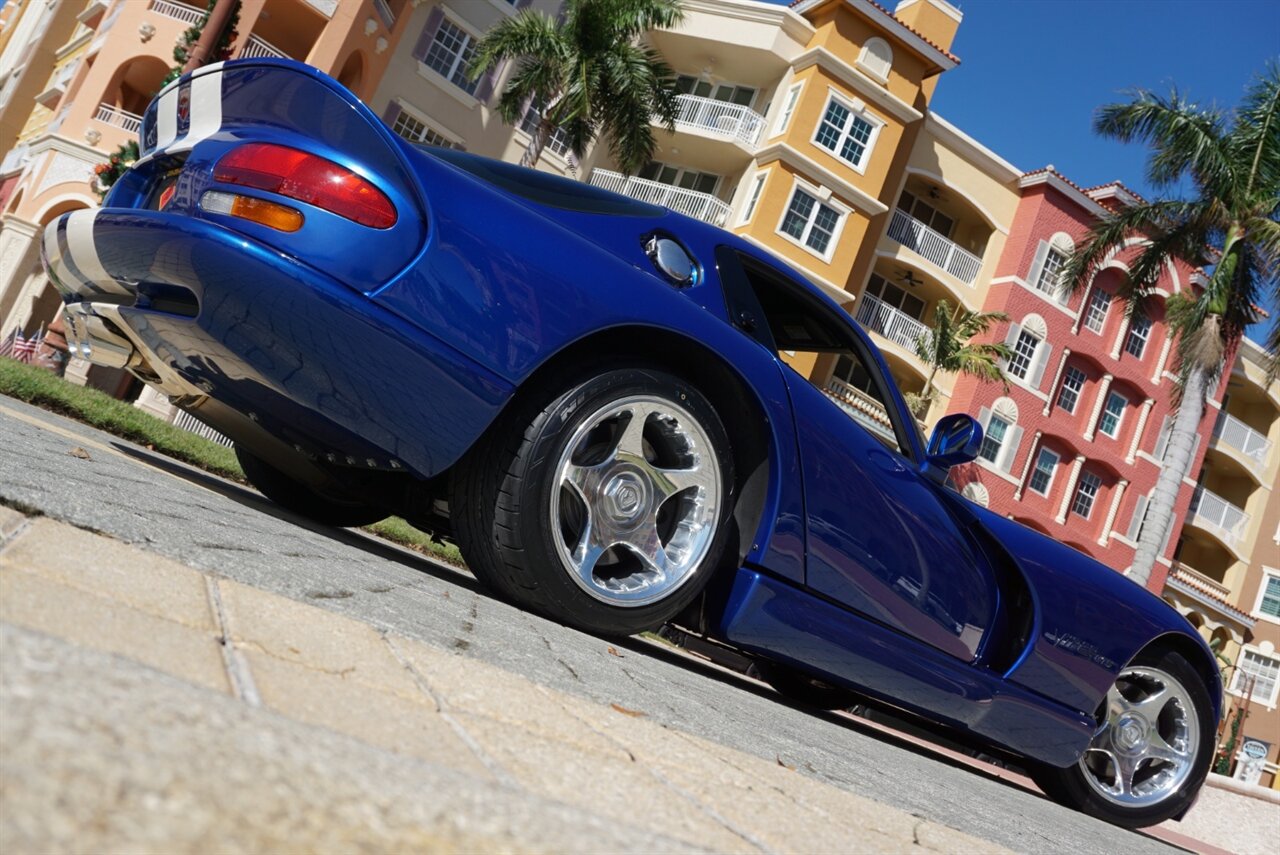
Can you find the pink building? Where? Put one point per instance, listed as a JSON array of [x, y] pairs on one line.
[[1074, 447]]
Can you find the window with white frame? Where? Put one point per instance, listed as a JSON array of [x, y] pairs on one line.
[[899, 298], [1050, 278], [1069, 394], [450, 54], [1113, 414], [1024, 351], [753, 199], [921, 210], [415, 130], [1269, 595], [810, 222], [1086, 493], [845, 133], [1135, 343], [1095, 317], [1262, 671], [1042, 475], [557, 142], [876, 58], [993, 438], [788, 109], [687, 84]]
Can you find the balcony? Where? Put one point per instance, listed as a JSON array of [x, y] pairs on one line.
[[701, 206], [719, 119], [1216, 515], [256, 48], [106, 25], [1232, 432], [1207, 592], [178, 11], [896, 326], [130, 122], [933, 247], [864, 409]]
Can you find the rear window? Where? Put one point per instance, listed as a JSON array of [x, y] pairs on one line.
[[546, 189]]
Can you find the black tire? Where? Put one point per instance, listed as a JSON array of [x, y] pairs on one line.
[[303, 500], [1072, 786], [502, 501], [805, 690]]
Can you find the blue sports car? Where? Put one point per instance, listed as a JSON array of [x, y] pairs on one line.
[[594, 397]]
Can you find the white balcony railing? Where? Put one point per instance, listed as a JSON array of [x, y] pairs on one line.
[[897, 326], [1244, 439], [120, 118], [942, 251], [720, 118], [702, 206], [1211, 511], [256, 48], [867, 411], [384, 12], [178, 11]]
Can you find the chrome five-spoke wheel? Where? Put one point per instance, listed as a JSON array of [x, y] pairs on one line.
[[1147, 742], [637, 501]]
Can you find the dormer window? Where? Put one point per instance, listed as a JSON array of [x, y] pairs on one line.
[[876, 59]]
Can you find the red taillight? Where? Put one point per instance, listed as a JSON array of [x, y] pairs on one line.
[[307, 178]]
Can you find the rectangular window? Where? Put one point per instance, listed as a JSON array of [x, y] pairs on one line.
[[1269, 602], [810, 221], [1042, 477], [1113, 414], [993, 438], [1265, 672], [1072, 383], [754, 199], [1096, 315], [450, 53], [558, 142], [415, 130], [1135, 344], [844, 133], [1050, 280], [788, 108], [1086, 492], [1023, 353]]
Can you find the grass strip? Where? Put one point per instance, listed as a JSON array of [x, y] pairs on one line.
[[44, 389]]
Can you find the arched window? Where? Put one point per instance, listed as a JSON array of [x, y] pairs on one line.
[[977, 493], [1050, 261], [1000, 433], [1029, 351], [876, 58]]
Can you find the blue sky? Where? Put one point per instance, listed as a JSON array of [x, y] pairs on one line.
[[1033, 71]]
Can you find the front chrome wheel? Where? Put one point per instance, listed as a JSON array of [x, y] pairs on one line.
[[636, 500], [1147, 742]]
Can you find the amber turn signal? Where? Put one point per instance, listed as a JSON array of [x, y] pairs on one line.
[[270, 214]]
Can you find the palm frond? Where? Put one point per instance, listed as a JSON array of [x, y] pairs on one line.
[[531, 34], [1184, 138], [1255, 138]]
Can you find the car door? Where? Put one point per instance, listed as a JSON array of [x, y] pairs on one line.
[[881, 538]]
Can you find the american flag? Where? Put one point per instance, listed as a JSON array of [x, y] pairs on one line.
[[24, 349], [6, 346]]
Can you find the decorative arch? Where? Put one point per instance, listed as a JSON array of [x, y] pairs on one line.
[[1005, 408], [876, 57], [1036, 325], [977, 492], [1063, 242], [62, 204], [973, 203], [17, 199], [353, 72]]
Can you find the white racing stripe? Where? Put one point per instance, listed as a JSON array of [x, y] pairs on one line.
[[51, 253], [167, 119], [206, 111], [84, 253]]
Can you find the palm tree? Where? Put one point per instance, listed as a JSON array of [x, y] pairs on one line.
[[1231, 220], [948, 346], [587, 74]]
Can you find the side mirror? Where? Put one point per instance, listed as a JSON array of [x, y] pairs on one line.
[[956, 439]]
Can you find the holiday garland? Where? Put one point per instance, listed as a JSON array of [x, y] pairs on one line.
[[119, 162]]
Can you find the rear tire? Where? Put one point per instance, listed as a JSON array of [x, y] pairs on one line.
[[574, 509], [1151, 752], [303, 500]]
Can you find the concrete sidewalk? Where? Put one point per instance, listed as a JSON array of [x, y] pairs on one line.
[[149, 706]]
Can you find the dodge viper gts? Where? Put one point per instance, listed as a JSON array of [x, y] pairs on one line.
[[597, 399]]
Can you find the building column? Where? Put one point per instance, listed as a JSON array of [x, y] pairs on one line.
[[1164, 359], [1026, 467], [1124, 331], [1111, 514], [1057, 375], [19, 255], [1137, 433], [1103, 388], [1071, 490]]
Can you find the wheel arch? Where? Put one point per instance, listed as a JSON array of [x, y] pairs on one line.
[[1194, 651], [728, 391]]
